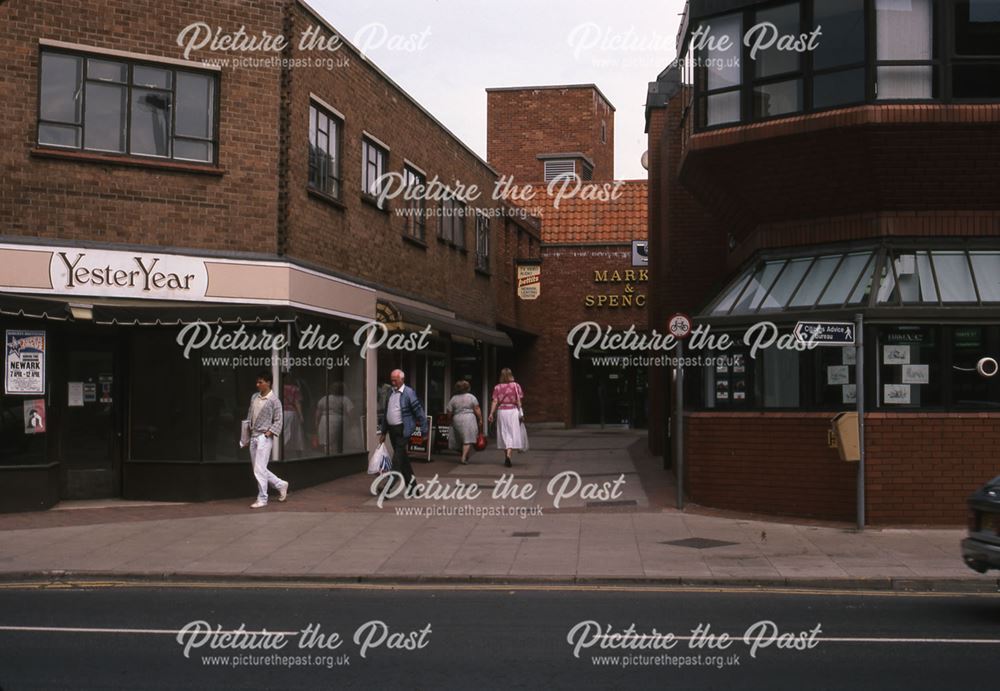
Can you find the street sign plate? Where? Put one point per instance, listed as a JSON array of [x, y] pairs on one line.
[[825, 333]]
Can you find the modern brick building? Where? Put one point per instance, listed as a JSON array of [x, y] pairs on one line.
[[537, 133], [144, 190], [560, 139], [856, 179]]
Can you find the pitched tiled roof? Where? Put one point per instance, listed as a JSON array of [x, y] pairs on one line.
[[589, 220]]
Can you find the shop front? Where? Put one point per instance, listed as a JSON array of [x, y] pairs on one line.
[[127, 373], [758, 414], [454, 349]]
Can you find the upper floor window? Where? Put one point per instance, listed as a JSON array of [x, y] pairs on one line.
[[975, 69], [452, 227], [373, 160], [482, 242], [416, 216], [324, 151], [914, 50], [120, 106]]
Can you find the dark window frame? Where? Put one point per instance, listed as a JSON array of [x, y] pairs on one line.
[[130, 85], [943, 64], [416, 220], [368, 146], [482, 242], [337, 178]]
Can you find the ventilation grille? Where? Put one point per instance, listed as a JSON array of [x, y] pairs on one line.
[[554, 169]]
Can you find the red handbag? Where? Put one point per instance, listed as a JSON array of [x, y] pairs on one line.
[[480, 441]]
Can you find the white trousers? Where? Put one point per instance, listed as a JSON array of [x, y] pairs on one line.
[[260, 454]]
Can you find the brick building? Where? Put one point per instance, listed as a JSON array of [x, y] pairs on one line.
[[560, 140], [857, 179], [145, 191]]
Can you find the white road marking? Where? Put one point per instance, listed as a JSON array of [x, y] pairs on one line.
[[172, 632]]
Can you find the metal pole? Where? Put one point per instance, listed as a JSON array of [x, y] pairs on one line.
[[678, 426], [859, 386]]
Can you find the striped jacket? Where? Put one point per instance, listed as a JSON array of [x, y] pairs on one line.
[[269, 417]]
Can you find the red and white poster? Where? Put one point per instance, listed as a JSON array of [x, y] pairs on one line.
[[34, 416]]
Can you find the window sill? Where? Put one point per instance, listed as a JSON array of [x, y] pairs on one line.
[[326, 198], [417, 242], [484, 272], [373, 201], [127, 161]]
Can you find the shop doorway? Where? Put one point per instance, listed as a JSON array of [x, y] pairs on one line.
[[90, 420], [609, 396]]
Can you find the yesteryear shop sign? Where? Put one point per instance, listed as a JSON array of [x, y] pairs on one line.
[[24, 362], [108, 273], [84, 272]]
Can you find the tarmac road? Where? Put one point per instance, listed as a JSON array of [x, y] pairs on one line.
[[485, 637]]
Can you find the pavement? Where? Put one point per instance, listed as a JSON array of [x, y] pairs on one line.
[[614, 523]]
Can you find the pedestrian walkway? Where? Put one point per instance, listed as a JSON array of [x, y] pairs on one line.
[[624, 529]]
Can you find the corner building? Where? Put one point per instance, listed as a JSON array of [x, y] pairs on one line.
[[858, 178], [143, 191]]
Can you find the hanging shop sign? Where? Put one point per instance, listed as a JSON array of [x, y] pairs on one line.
[[640, 253], [529, 281], [24, 362]]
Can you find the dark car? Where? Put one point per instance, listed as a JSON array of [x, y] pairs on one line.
[[981, 550]]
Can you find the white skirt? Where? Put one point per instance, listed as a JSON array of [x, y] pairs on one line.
[[510, 431]]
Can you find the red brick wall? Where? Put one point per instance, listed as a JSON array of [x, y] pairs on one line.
[[770, 463], [567, 278], [920, 468], [60, 199], [687, 246], [362, 240], [523, 123]]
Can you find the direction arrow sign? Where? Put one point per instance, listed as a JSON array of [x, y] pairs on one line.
[[825, 333]]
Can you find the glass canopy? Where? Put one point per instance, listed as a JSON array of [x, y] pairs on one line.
[[833, 280]]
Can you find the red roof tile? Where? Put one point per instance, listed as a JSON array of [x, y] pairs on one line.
[[590, 220]]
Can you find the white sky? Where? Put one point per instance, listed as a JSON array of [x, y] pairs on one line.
[[470, 45]]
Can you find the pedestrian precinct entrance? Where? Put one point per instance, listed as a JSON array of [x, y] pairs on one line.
[[608, 396]]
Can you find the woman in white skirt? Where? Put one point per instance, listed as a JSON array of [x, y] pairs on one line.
[[507, 398]]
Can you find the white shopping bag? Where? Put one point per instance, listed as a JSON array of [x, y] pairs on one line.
[[380, 461]]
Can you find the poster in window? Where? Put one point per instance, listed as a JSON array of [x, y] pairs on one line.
[[74, 394], [90, 392], [838, 375], [850, 356], [897, 394], [849, 393], [34, 416], [721, 366], [722, 390], [24, 362], [739, 364], [916, 374], [896, 355], [740, 390]]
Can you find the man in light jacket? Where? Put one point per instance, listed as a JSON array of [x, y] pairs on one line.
[[401, 414], [265, 425]]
